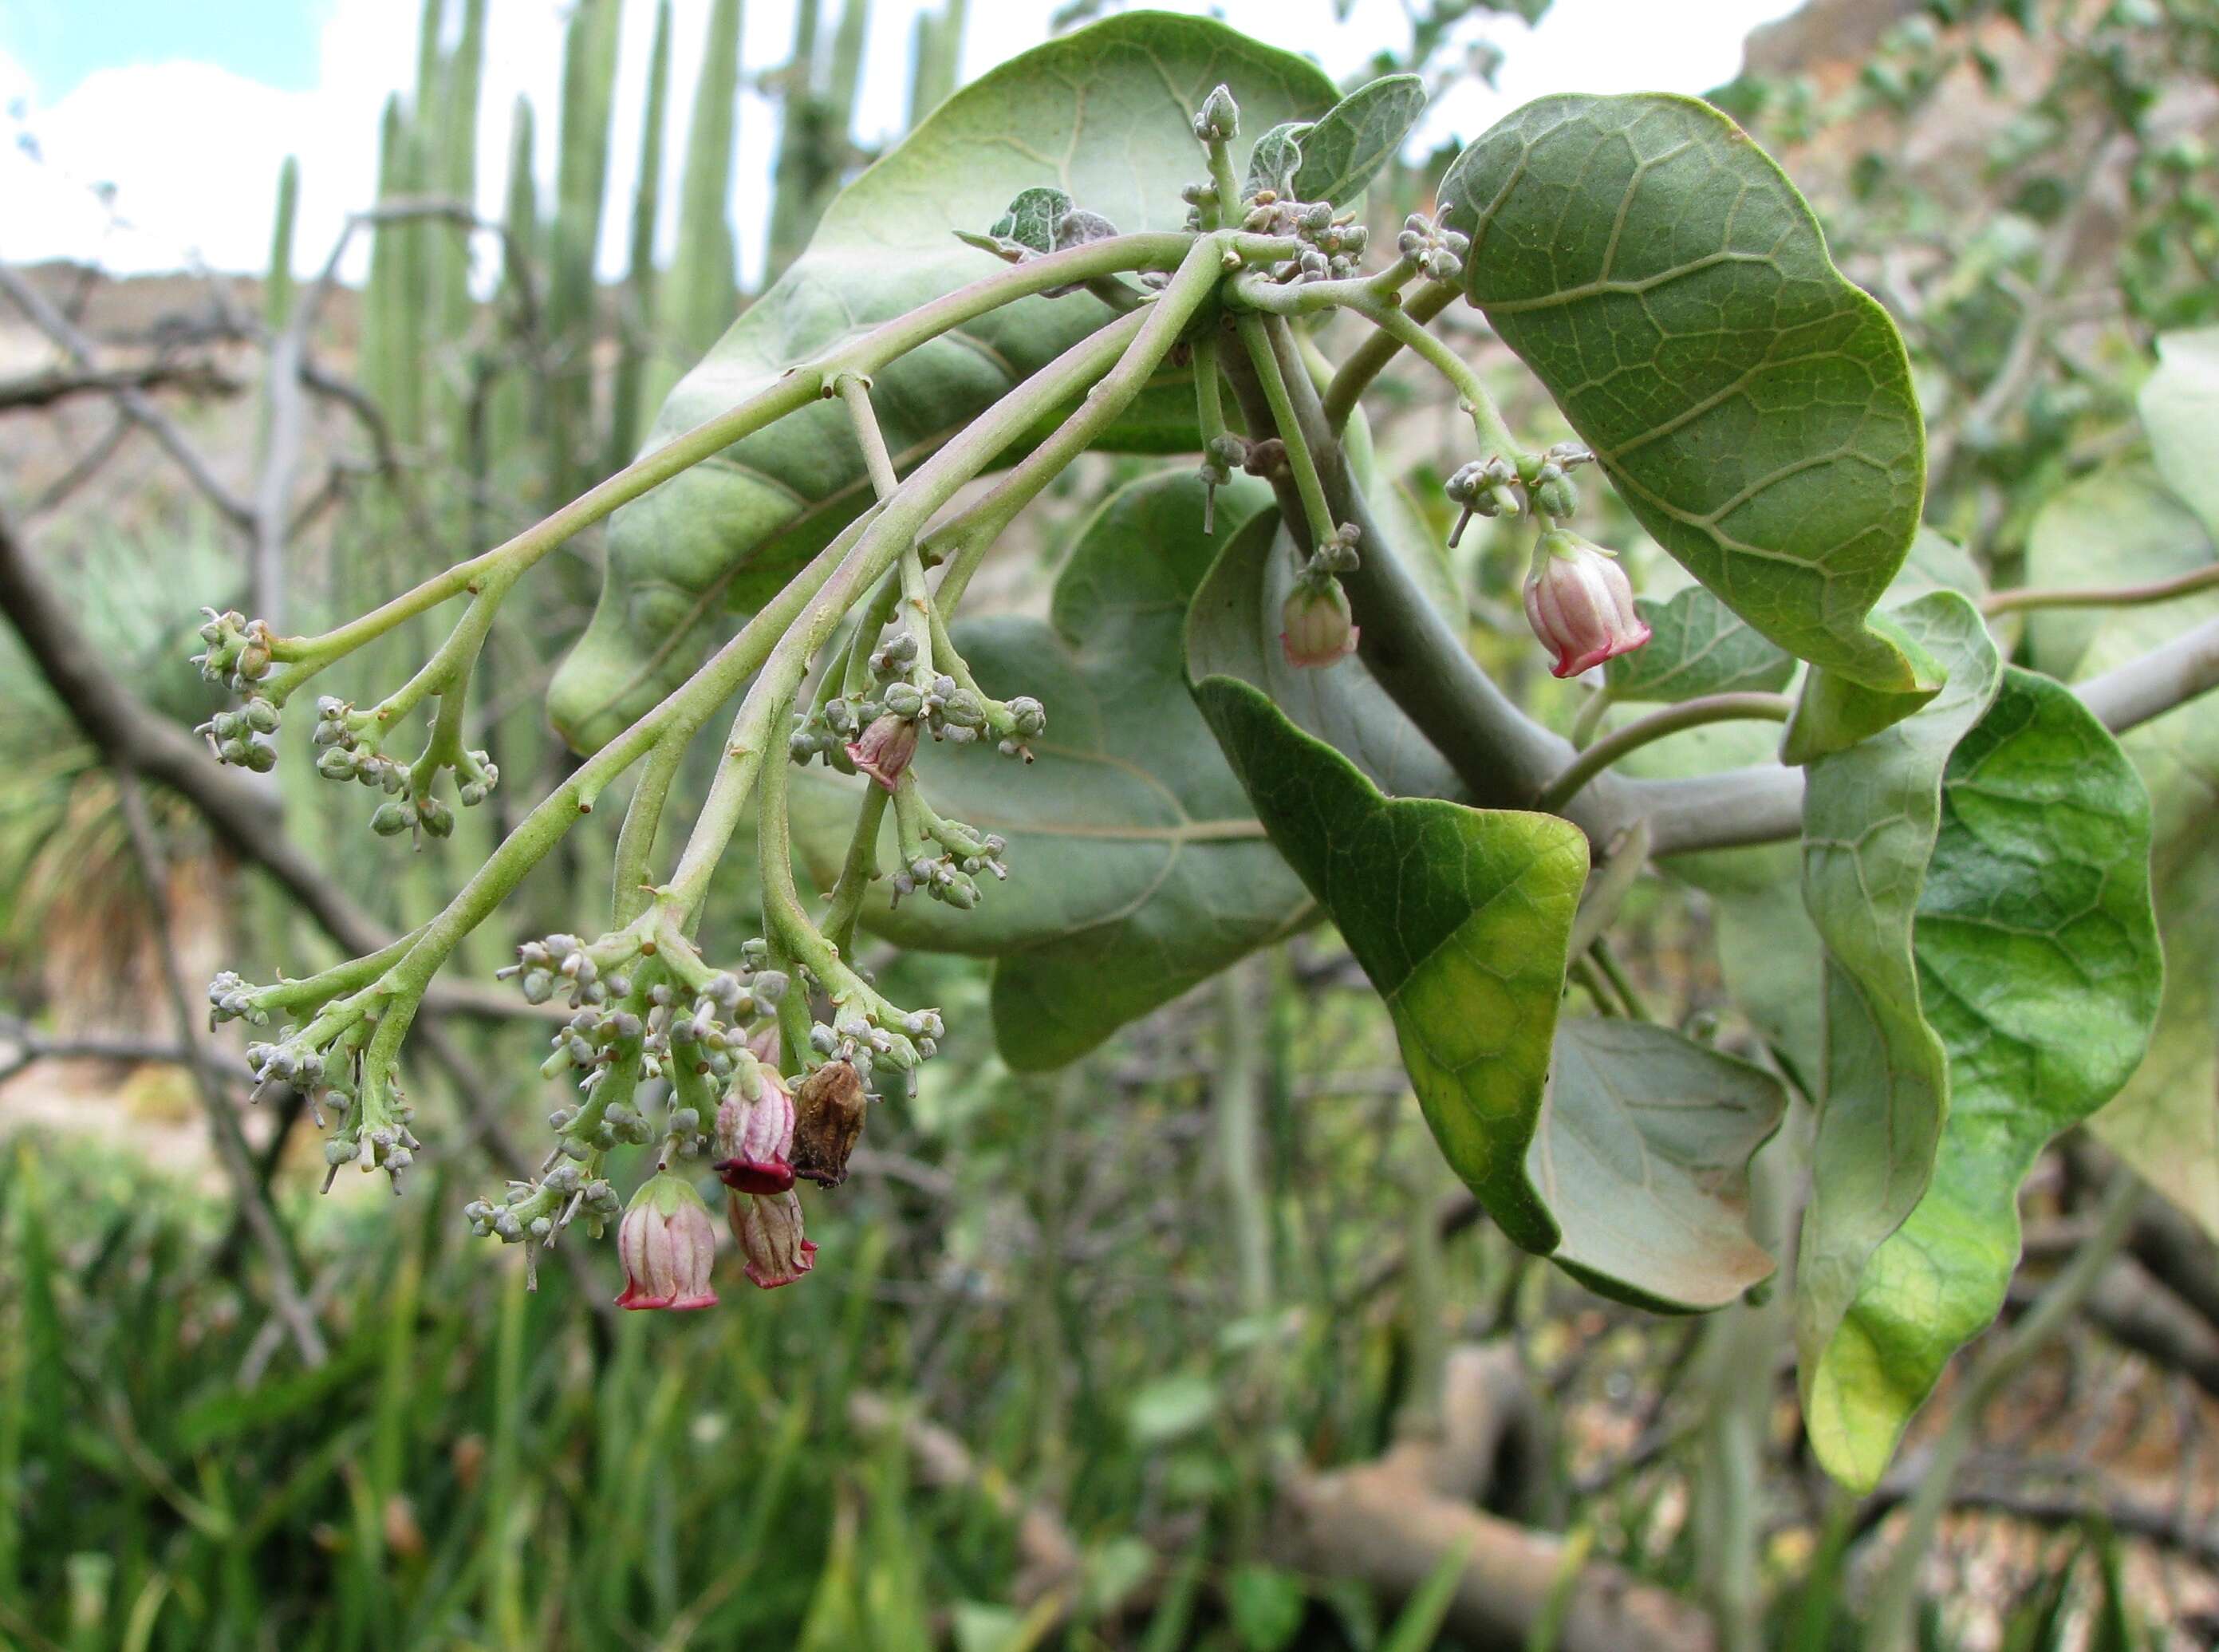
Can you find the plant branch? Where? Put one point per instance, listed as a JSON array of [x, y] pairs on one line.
[[2114, 596], [1370, 358], [1666, 720]]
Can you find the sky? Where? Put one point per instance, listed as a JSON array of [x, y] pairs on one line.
[[147, 134]]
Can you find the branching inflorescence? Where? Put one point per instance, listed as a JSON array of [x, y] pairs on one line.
[[766, 1061]]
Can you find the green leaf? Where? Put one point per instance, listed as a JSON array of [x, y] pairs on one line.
[[2179, 406], [1870, 817], [2119, 526], [2166, 1121], [1170, 1408], [1137, 867], [1101, 114], [1275, 158], [2039, 971], [1834, 713], [1667, 285], [1344, 152], [1266, 1605], [1032, 219], [1697, 646], [1460, 918], [1643, 1157]]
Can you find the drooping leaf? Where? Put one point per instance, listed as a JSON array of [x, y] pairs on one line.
[[1101, 114], [1137, 867], [1834, 713], [1870, 817], [1344, 152], [2039, 971], [1669, 286], [1697, 646], [1275, 158], [1459, 916], [1643, 1157]]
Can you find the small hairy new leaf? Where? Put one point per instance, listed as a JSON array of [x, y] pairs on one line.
[[1644, 1156], [1100, 114], [2039, 971], [1344, 152], [1274, 161], [1870, 817], [1137, 867], [1032, 219], [1697, 646], [1459, 916], [1669, 286]]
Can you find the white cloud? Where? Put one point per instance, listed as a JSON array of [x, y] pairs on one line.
[[192, 150]]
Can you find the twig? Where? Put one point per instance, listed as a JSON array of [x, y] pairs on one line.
[[223, 1124], [134, 403], [33, 390], [1666, 720], [2110, 596]]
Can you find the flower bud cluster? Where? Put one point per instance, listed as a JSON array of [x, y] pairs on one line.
[[1497, 486], [1332, 243], [245, 737], [1433, 250], [864, 1042], [564, 962], [532, 1213], [349, 752], [237, 655]]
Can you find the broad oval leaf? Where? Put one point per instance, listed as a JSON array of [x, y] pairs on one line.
[[2179, 406], [1459, 916], [1344, 152], [1644, 1156], [1669, 286], [1870, 817], [1697, 646], [1137, 867], [1101, 115], [2039, 971]]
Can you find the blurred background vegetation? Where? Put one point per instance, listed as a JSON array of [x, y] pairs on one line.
[[1107, 1358]]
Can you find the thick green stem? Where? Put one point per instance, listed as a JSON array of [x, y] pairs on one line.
[[630, 892], [858, 872], [1138, 343], [1370, 359], [1394, 320], [1670, 719], [964, 542], [1256, 339], [302, 658]]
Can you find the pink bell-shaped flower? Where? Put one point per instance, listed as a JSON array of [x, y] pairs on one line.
[[754, 1139], [883, 751], [1581, 603], [1317, 631], [769, 1229], [667, 1240]]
